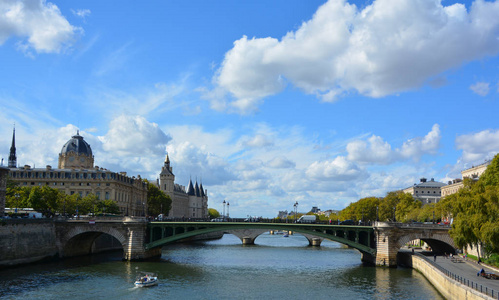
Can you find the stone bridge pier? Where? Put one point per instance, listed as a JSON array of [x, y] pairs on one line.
[[313, 240], [247, 236], [391, 237]]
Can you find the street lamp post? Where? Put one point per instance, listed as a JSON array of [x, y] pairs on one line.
[[228, 210], [377, 214], [296, 209], [17, 201], [433, 216], [394, 219], [223, 214]]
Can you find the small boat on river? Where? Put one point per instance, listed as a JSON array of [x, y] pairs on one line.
[[146, 280]]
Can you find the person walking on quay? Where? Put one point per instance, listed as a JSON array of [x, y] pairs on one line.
[[434, 257]]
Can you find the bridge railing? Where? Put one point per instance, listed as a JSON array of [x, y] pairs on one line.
[[415, 224], [469, 283]]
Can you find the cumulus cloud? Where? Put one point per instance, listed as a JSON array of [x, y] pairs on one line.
[[190, 160], [134, 135], [339, 169], [478, 146], [387, 47], [258, 141], [376, 150], [281, 163], [41, 23], [480, 88], [417, 147]]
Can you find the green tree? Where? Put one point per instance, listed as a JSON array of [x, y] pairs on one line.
[[476, 211], [407, 207], [364, 209], [17, 197], [157, 201], [44, 199], [213, 213], [387, 206], [108, 207]]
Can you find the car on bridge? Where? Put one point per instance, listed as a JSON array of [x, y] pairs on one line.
[[347, 222]]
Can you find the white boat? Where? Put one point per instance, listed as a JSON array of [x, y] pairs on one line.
[[146, 280]]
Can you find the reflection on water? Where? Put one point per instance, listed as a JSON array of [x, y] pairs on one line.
[[276, 267]]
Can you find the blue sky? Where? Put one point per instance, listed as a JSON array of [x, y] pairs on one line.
[[264, 102]]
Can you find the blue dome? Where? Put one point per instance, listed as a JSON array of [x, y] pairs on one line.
[[77, 145]]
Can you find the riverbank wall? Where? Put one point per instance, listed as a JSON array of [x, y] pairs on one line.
[[449, 288], [26, 240]]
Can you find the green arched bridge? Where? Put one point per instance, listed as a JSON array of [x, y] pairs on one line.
[[378, 244]]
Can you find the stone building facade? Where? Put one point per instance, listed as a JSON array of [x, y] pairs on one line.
[[474, 173], [78, 175], [426, 191], [3, 188], [186, 203]]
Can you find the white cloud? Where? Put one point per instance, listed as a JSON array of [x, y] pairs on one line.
[[134, 135], [281, 163], [377, 151], [388, 47], [480, 88], [478, 146], [40, 22], [189, 161], [82, 13], [258, 141], [339, 169], [417, 147]]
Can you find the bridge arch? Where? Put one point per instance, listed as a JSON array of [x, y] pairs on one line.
[[81, 240], [357, 237], [391, 237]]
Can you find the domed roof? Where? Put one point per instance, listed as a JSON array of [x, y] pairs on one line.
[[77, 145]]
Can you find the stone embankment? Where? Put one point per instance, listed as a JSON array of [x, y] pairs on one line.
[[26, 240], [447, 286]]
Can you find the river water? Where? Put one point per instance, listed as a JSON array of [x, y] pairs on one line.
[[276, 267]]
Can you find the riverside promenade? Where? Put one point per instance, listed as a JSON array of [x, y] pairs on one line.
[[465, 271]]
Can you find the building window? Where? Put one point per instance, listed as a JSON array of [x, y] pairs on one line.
[[107, 195]]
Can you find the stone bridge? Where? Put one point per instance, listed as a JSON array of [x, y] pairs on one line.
[[378, 244], [77, 237]]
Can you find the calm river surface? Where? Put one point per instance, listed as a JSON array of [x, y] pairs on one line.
[[275, 268]]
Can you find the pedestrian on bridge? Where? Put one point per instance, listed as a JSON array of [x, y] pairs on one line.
[[434, 257]]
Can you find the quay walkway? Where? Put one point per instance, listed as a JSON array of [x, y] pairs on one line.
[[465, 272]]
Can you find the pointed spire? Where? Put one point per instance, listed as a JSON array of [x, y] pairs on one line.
[[190, 189], [198, 194], [167, 159], [12, 155], [201, 189]]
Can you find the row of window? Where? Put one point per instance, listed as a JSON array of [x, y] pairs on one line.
[[70, 175], [429, 192], [64, 183]]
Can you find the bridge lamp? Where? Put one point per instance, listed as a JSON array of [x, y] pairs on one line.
[[227, 209], [17, 201], [223, 214]]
